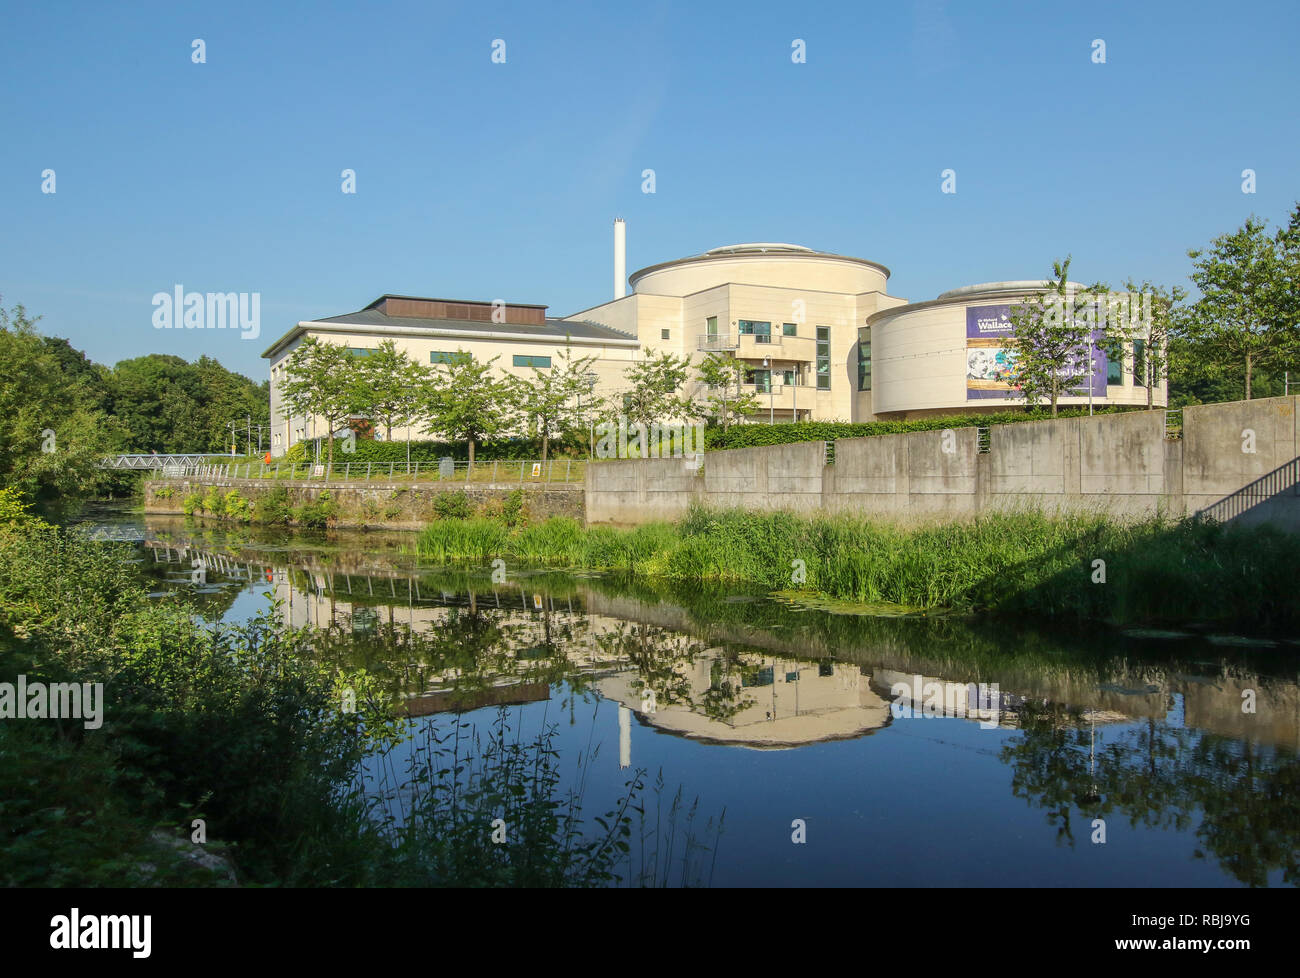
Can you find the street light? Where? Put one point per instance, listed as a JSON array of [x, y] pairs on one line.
[[771, 396], [591, 379]]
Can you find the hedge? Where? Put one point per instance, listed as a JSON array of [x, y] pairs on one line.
[[754, 435]]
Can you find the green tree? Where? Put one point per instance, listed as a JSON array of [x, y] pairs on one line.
[[388, 385], [321, 383], [467, 400], [1145, 313], [54, 434], [1241, 314], [719, 373], [653, 396], [549, 400], [1052, 331]]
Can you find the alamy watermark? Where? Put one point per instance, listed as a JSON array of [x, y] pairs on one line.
[[53, 701], [932, 699], [656, 440], [179, 309]]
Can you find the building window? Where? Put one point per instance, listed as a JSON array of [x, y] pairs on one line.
[[1139, 364], [441, 356], [823, 358], [523, 360], [711, 326], [762, 332], [359, 352], [788, 377], [864, 361], [761, 379], [789, 329], [663, 334], [1115, 367]]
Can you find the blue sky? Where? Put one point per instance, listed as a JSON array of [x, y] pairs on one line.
[[479, 180]]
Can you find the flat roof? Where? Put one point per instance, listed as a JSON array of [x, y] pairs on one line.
[[757, 249]]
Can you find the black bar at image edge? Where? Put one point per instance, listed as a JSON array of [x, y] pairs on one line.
[[337, 927]]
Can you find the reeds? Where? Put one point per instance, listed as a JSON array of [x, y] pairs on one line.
[[1028, 563]]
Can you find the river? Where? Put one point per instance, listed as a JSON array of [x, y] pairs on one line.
[[846, 748]]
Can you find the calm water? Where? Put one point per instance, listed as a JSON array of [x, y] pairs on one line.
[[1020, 737]]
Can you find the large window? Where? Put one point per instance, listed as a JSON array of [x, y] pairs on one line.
[[864, 359], [761, 379], [523, 360], [1139, 364], [762, 332], [823, 358]]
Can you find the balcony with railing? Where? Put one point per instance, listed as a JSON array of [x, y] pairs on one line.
[[782, 396], [756, 346]]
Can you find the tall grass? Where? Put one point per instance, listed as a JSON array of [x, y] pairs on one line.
[[1025, 563]]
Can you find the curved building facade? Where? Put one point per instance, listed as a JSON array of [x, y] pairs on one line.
[[952, 354], [789, 315]]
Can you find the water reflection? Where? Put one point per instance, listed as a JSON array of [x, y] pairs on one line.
[[1171, 733]]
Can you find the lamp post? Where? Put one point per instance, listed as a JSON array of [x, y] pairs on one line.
[[771, 396], [591, 379]]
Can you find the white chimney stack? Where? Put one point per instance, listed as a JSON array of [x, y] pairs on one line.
[[620, 258]]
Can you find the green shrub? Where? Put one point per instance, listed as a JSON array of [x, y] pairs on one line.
[[236, 507], [317, 514], [272, 508], [513, 510], [754, 435], [452, 505], [213, 503], [164, 492], [193, 503]]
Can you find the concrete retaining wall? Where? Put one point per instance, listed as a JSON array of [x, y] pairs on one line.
[[1234, 461]]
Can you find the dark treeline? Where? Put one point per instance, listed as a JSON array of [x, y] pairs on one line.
[[64, 412]]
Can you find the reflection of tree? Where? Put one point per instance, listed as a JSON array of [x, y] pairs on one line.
[[724, 699], [1248, 798], [661, 658]]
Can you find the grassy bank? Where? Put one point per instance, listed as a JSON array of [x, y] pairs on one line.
[[1155, 571]]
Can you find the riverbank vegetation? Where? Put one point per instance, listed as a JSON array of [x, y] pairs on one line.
[[1071, 568], [251, 733]]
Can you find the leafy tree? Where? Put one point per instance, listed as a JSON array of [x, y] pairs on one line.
[[1146, 313], [168, 405], [1243, 307], [1052, 331], [53, 434], [549, 399], [388, 384], [655, 382], [467, 400], [719, 373], [321, 383]]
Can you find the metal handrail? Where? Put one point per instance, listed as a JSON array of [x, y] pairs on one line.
[[512, 471]]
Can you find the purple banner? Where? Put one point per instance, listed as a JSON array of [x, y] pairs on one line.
[[991, 357]]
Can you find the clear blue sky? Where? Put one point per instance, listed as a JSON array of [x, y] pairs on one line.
[[478, 180]]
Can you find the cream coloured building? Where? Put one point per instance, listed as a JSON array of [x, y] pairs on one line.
[[816, 336]]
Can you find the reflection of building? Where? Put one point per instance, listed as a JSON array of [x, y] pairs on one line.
[[709, 692], [768, 702]]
